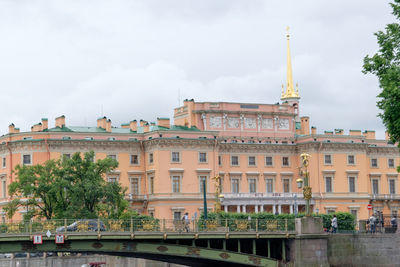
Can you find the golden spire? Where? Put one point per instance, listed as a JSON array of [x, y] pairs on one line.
[[290, 92]]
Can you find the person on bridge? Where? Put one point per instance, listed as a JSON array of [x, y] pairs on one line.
[[372, 222], [186, 221], [334, 224]]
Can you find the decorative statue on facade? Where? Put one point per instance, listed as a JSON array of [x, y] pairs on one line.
[[217, 193], [307, 190]]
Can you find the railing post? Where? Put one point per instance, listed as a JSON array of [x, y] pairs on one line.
[[65, 225], [283, 250], [223, 244], [254, 246], [269, 249]]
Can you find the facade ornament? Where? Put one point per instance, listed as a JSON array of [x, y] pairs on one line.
[[241, 121], [204, 118]]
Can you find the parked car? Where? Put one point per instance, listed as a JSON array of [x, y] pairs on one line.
[[91, 223]]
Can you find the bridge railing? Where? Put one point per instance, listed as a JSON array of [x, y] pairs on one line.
[[147, 225]]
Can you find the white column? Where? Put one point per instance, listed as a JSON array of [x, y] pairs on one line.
[[279, 209], [238, 208], [273, 209], [291, 209], [262, 208], [226, 208], [244, 208], [256, 208]]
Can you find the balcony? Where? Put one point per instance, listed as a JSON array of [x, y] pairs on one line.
[[385, 197], [134, 197], [262, 198]]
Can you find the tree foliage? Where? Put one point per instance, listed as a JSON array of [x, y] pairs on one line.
[[385, 64], [69, 188]]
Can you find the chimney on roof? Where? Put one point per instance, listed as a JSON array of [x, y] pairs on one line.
[[60, 121], [11, 128], [125, 125], [355, 132], [101, 122], [133, 125], [163, 122], [142, 123], [146, 128], [108, 125], [305, 125], [45, 124], [313, 130], [36, 127], [369, 134]]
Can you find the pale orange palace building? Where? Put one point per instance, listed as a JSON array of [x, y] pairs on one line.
[[254, 148]]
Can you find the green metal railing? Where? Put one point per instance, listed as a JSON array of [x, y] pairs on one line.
[[147, 225]]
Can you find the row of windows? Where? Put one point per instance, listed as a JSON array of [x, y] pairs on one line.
[[351, 160], [352, 185]]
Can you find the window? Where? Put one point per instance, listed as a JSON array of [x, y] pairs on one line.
[[328, 159], [28, 138], [391, 163], [234, 160], [252, 185], [135, 186], [392, 186], [328, 184], [202, 179], [66, 137], [219, 160], [4, 188], [112, 179], [151, 186], [176, 184], [352, 184], [202, 157], [285, 161], [134, 160], [374, 163], [66, 156], [268, 161], [4, 162], [26, 159], [112, 156], [88, 138], [151, 158], [177, 215], [235, 185], [111, 138], [286, 185], [375, 186], [252, 161], [175, 157], [270, 185], [350, 160]]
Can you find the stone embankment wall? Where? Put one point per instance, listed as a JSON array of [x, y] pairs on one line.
[[78, 261], [380, 250]]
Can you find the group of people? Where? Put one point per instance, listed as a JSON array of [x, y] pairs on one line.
[[376, 223]]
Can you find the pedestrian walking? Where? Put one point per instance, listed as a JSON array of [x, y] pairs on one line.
[[372, 224], [334, 224], [186, 221]]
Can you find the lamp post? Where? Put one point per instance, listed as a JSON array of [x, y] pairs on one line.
[[307, 190]]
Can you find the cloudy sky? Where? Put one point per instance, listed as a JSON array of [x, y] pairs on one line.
[[139, 59]]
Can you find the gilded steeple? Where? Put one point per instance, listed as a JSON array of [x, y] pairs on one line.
[[290, 92]]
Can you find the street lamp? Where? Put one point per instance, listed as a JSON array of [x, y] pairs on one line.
[[307, 190]]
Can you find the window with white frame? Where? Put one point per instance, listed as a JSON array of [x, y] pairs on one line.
[[135, 185], [252, 185], [390, 163], [4, 162], [4, 188], [220, 160], [151, 159], [112, 179], [151, 185], [375, 186], [176, 184], [175, 156], [202, 157], [351, 159], [27, 159], [177, 215], [235, 185], [66, 156], [374, 163], [328, 159], [268, 161], [285, 161], [392, 186], [134, 159], [235, 160], [202, 182], [286, 185], [252, 160], [352, 184], [270, 185], [112, 156], [328, 184]]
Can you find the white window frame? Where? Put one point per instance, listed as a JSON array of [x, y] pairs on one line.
[[3, 186], [111, 177], [266, 184], [238, 160], [110, 156], [375, 178], [173, 159], [285, 166], [354, 160], [31, 159], [355, 182], [255, 161], [206, 157], [151, 158], [325, 179], [394, 164], [131, 178], [130, 159], [251, 178], [151, 184], [377, 163], [283, 184], [395, 185], [199, 178], [238, 183], [4, 162], [330, 159], [173, 176], [272, 161]]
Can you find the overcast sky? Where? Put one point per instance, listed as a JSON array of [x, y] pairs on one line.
[[136, 59]]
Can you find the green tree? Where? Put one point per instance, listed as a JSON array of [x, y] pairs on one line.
[[385, 64]]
